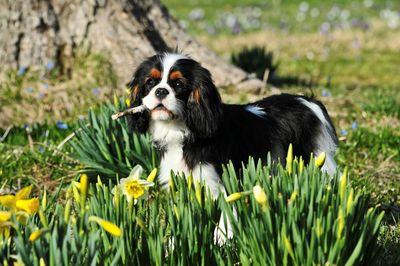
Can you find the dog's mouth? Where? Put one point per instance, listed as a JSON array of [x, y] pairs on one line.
[[160, 107]]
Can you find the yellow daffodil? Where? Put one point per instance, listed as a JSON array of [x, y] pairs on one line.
[[35, 235], [41, 262], [5, 224], [340, 223], [260, 195], [301, 165], [233, 197], [31, 206], [198, 192], [349, 203], [67, 211], [288, 247], [190, 181], [83, 189], [152, 175], [44, 200], [320, 160], [24, 193], [128, 102], [133, 187], [9, 201], [293, 196], [5, 216], [343, 184], [289, 159], [99, 183], [106, 225]]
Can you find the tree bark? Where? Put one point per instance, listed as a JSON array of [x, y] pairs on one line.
[[36, 32]]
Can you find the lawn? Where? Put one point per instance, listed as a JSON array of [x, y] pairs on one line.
[[346, 53]]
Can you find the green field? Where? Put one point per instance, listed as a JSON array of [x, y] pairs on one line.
[[346, 53]]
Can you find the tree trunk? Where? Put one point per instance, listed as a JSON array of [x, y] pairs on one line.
[[36, 32]]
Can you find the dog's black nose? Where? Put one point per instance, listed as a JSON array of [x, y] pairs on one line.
[[161, 93]]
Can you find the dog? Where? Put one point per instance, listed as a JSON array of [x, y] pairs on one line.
[[196, 133]]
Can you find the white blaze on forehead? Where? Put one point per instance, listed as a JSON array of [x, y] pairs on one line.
[[151, 101], [168, 62]]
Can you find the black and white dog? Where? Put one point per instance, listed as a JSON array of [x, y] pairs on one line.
[[197, 133]]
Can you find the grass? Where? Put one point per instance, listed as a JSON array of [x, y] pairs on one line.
[[352, 70]]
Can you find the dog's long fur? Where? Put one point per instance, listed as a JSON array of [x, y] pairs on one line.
[[197, 133]]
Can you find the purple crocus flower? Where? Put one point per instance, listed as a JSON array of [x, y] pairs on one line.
[[326, 93], [343, 132], [61, 125], [50, 65], [354, 125], [21, 71]]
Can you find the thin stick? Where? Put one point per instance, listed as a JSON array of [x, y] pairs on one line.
[[6, 133], [133, 110]]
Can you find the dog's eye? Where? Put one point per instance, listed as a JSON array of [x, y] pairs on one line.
[[179, 84], [150, 82]]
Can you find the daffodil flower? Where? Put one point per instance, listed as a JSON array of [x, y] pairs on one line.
[[133, 187], [5, 225], [10, 201], [31, 206]]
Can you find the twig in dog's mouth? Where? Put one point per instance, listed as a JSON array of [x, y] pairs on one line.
[[137, 109]]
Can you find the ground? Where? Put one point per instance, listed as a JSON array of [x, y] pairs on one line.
[[343, 52]]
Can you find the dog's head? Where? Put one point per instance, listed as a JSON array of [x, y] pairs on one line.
[[175, 87]]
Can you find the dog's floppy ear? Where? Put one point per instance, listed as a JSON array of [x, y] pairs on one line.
[[204, 107], [138, 122]]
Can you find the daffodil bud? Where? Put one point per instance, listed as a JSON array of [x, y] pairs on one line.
[[84, 190], [77, 196], [190, 181], [288, 247], [233, 197], [198, 192], [99, 183], [289, 159], [67, 211], [340, 223], [152, 175], [301, 165], [35, 235], [43, 218], [349, 203], [106, 225], [343, 184], [320, 160], [128, 102], [260, 195], [44, 200]]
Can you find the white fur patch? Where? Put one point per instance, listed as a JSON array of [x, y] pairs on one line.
[[325, 142], [256, 110]]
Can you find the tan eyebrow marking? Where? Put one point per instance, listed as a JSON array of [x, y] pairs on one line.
[[175, 75], [155, 73]]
